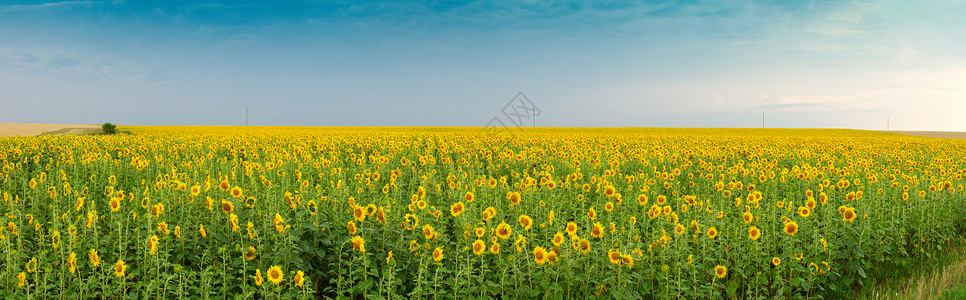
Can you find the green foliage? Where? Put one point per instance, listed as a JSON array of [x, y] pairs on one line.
[[108, 128], [957, 293]]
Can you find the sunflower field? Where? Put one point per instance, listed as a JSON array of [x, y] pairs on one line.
[[301, 212]]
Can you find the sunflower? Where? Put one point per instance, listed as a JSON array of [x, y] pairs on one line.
[[525, 221], [358, 244], [32, 183], [720, 271], [358, 213], [503, 230], [748, 217], [558, 239], [275, 274], [163, 228], [540, 255], [224, 185], [661, 199], [258, 277], [94, 258], [72, 262], [236, 192], [469, 197], [201, 229], [489, 213], [679, 229], [495, 248], [119, 268], [479, 247], [479, 232], [627, 260], [55, 239], [438, 254], [79, 204], [810, 204], [804, 212], [642, 199], [250, 255], [609, 191], [614, 256], [91, 218], [791, 228], [712, 233], [429, 233], [583, 245], [115, 204], [456, 209], [195, 190], [849, 214], [227, 206], [421, 204], [514, 198], [22, 277], [410, 222], [157, 209], [592, 214], [597, 231], [299, 278], [571, 228], [290, 200], [153, 245], [776, 261], [754, 233], [31, 264], [278, 221]]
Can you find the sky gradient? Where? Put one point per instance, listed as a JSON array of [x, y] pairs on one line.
[[805, 64]]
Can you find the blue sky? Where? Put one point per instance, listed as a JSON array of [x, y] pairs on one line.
[[811, 64]]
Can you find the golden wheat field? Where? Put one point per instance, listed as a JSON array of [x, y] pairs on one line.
[[302, 212]]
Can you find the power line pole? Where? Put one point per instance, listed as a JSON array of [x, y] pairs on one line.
[[246, 114], [762, 119], [888, 128]]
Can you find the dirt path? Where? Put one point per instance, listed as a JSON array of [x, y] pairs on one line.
[[26, 129]]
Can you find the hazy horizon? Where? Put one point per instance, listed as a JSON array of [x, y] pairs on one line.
[[811, 64]]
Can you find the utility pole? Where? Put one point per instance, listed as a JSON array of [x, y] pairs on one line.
[[246, 114], [762, 119], [888, 124]]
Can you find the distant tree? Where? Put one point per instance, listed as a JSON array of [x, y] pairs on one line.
[[109, 128]]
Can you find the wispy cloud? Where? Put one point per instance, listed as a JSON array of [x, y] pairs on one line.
[[44, 6], [790, 106]]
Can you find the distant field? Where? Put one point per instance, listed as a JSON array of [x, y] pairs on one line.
[[935, 134], [24, 129]]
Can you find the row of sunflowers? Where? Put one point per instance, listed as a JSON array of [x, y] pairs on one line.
[[300, 212]]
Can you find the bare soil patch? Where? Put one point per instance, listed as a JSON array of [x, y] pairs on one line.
[[27, 129]]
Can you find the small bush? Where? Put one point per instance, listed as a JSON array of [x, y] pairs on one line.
[[109, 128]]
